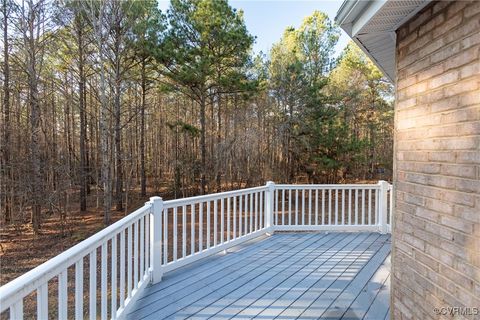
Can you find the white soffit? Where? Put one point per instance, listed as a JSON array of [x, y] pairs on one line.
[[372, 25]]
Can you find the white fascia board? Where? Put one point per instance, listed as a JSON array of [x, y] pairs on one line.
[[344, 11], [366, 15]]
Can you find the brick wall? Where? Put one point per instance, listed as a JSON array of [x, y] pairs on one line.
[[436, 242]]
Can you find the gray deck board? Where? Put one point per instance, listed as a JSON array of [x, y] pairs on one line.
[[251, 300], [262, 282], [286, 276]]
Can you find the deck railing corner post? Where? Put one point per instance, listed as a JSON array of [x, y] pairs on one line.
[[156, 233], [269, 204], [383, 206]]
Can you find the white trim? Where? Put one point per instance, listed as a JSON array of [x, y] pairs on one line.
[[366, 16], [325, 186], [332, 228]]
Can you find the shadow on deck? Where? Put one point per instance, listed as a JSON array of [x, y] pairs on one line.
[[289, 275]]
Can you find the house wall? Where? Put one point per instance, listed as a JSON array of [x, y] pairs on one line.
[[436, 232]]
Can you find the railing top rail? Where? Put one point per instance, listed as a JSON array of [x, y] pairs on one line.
[[26, 283], [326, 186], [208, 197]]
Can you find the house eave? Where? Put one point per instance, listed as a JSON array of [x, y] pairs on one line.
[[373, 24]]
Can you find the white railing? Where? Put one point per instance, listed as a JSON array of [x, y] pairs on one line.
[[390, 206], [192, 228], [115, 262], [165, 235]]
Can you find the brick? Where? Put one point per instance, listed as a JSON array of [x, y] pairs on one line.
[[427, 261], [461, 87], [441, 156], [471, 99], [445, 53], [417, 44], [458, 279], [430, 72], [468, 157], [465, 171], [431, 47], [443, 79], [416, 178], [452, 143], [414, 199], [456, 223], [419, 110], [462, 115], [403, 83], [468, 28], [405, 37], [427, 214], [439, 206], [440, 254], [404, 104], [431, 96], [471, 41], [449, 24], [440, 181], [468, 128], [455, 7], [472, 10], [454, 249], [440, 7], [468, 213], [461, 239], [405, 207], [440, 230], [466, 185], [409, 59], [461, 198], [470, 70], [432, 23], [443, 131], [404, 247], [422, 18], [464, 57], [414, 156]]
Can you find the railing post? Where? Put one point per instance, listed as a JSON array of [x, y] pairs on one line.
[[383, 206], [269, 205], [156, 232]]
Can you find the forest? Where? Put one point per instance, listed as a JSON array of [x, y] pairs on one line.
[[105, 101]]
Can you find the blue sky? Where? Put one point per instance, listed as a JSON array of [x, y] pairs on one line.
[[267, 19]]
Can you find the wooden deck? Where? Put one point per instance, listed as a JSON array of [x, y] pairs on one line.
[[286, 276]]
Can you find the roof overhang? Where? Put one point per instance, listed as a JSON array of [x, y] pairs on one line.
[[372, 25]]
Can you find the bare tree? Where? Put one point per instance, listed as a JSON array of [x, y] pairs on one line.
[[96, 13], [33, 19], [6, 165]]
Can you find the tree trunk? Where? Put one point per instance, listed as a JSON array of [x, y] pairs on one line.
[[143, 179], [31, 65], [83, 133], [203, 147], [117, 51], [103, 123], [6, 120], [118, 145]]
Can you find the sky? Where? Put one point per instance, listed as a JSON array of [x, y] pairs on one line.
[[267, 19]]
